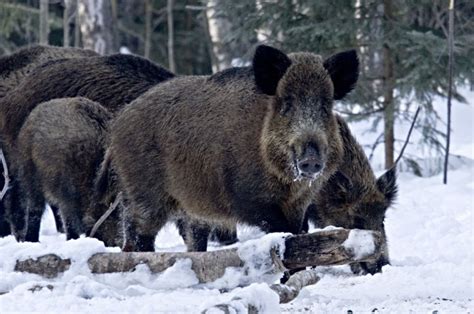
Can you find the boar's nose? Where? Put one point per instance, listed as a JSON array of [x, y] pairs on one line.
[[309, 166], [310, 163]]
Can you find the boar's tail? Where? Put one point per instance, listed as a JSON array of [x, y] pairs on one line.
[[104, 182]]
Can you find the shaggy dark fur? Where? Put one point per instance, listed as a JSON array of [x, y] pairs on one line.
[[13, 69], [353, 198], [230, 147], [61, 146], [112, 81]]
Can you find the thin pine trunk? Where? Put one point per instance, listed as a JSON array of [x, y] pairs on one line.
[[171, 60], [44, 26], [388, 88], [148, 27], [66, 28], [77, 27], [450, 87]]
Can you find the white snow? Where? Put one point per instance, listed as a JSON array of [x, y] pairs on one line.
[[430, 234], [257, 262], [360, 243]]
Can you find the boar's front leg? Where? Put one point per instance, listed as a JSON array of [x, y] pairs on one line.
[[196, 235], [143, 221]]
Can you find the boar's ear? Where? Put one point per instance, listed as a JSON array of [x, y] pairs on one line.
[[343, 68], [269, 66], [387, 184]]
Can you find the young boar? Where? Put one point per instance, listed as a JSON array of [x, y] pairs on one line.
[[257, 159], [112, 81], [13, 69], [60, 147]]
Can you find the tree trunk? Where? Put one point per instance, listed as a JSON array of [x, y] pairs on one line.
[[219, 27], [66, 15], [77, 26], [209, 44], [44, 25], [388, 88], [148, 27], [96, 24], [450, 88], [315, 249], [171, 61]]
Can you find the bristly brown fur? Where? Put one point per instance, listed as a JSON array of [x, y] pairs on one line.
[[15, 67], [222, 148], [110, 80]]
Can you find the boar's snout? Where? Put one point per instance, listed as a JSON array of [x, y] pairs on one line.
[[310, 163]]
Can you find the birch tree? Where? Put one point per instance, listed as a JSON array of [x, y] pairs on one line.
[[44, 26], [96, 25]]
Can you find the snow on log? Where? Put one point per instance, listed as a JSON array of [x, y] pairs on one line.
[[208, 266], [322, 248]]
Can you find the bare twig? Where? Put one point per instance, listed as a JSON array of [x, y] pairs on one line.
[[290, 290], [109, 211], [286, 292], [5, 175], [379, 140], [408, 137]]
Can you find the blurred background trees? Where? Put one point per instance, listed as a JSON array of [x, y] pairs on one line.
[[402, 44]]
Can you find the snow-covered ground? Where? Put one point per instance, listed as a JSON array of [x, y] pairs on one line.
[[430, 232]]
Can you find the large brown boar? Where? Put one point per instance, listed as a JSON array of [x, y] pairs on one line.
[[13, 69], [111, 81], [60, 147], [247, 144]]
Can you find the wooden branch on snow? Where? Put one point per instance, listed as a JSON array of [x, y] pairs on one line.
[[321, 248], [112, 207], [5, 175], [48, 266], [286, 292], [290, 290]]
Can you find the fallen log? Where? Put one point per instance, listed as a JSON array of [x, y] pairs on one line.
[[320, 248]]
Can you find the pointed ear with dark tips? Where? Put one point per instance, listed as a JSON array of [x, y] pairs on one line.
[[343, 68], [269, 66], [387, 184]]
